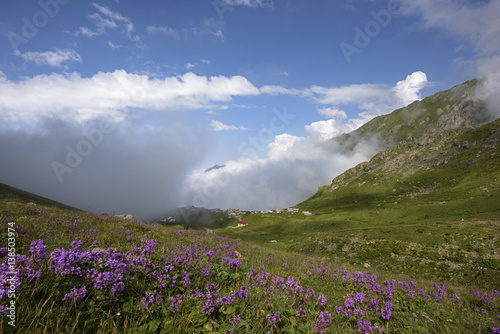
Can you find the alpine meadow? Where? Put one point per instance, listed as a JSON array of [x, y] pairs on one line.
[[250, 167]]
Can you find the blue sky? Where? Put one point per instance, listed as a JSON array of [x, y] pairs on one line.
[[253, 84]]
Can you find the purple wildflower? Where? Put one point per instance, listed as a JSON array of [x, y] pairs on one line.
[[373, 304], [359, 297], [38, 249], [176, 302], [310, 292], [76, 296], [321, 324], [300, 313], [235, 320], [364, 327], [150, 298], [273, 319], [76, 245], [208, 307], [321, 300], [4, 309]]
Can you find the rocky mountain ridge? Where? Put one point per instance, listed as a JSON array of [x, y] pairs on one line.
[[438, 145]]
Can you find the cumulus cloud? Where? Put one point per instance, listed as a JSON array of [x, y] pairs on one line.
[[293, 167], [52, 142], [377, 98], [293, 170], [111, 94], [54, 58], [324, 130], [408, 90], [219, 126], [371, 99]]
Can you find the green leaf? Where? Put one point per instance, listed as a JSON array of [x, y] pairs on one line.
[[153, 325]]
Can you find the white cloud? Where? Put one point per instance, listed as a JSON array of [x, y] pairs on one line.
[[205, 61], [332, 112], [89, 32], [189, 66], [112, 94], [105, 19], [294, 167], [477, 22], [275, 90], [218, 33], [168, 31], [407, 91], [210, 26], [219, 126], [372, 99], [347, 94], [292, 170], [250, 3], [51, 58], [282, 145], [325, 130], [114, 46]]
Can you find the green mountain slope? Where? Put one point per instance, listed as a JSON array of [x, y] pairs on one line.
[[450, 109], [7, 191], [452, 165]]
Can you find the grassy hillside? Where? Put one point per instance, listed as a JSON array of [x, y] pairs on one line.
[[71, 272], [453, 165], [7, 191]]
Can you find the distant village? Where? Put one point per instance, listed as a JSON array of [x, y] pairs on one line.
[[238, 214]]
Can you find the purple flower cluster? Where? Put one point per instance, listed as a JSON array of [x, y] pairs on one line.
[[321, 300], [235, 320], [273, 320], [75, 296], [38, 249], [151, 298], [321, 323]]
